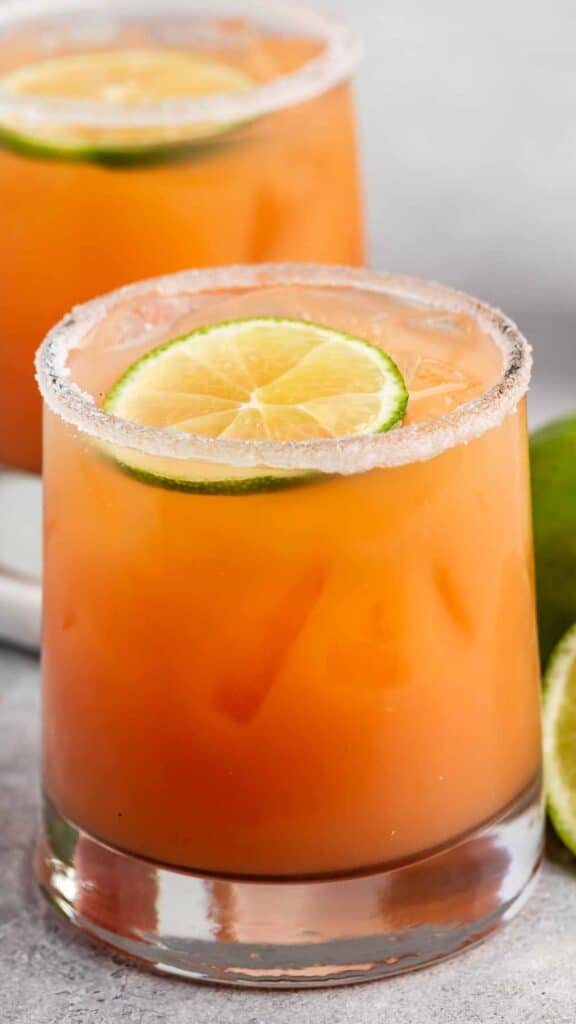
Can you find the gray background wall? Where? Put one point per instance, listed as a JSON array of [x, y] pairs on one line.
[[468, 121]]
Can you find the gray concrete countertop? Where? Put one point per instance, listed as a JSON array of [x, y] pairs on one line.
[[51, 975]]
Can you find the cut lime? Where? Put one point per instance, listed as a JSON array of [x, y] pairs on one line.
[[553, 466], [560, 739], [260, 379], [120, 79]]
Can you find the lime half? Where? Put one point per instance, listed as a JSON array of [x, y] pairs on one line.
[[553, 466], [120, 79], [560, 738], [269, 378]]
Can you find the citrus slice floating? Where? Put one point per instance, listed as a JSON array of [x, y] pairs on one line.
[[560, 739], [120, 79], [260, 379]]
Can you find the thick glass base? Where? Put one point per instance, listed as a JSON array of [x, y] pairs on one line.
[[295, 934]]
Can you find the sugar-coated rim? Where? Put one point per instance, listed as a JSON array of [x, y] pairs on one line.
[[316, 76], [417, 442]]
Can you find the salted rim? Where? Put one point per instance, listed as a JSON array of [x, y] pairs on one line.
[[316, 76], [353, 454]]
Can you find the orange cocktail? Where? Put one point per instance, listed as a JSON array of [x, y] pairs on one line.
[[288, 675], [104, 180]]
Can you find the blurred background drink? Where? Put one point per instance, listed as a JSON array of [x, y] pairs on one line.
[[300, 648], [139, 138]]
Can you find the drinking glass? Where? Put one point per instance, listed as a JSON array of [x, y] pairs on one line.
[[291, 733], [267, 172]]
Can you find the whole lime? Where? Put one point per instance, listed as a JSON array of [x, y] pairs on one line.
[[553, 465]]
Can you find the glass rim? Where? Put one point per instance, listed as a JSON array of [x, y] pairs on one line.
[[417, 442], [316, 76]]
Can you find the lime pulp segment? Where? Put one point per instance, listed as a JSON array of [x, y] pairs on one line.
[[120, 79], [265, 379]]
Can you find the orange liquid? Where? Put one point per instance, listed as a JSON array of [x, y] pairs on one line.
[[313, 680], [282, 188]]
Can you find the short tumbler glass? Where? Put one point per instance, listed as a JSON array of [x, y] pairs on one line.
[[291, 736]]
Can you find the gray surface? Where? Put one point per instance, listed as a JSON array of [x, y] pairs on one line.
[[48, 975], [469, 135]]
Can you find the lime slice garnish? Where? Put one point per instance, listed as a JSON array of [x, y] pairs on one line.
[[120, 79], [259, 379], [560, 738]]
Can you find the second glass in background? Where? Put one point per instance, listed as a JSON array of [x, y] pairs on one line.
[[276, 180]]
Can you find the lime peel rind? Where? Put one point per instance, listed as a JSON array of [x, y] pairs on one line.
[[114, 155], [223, 488]]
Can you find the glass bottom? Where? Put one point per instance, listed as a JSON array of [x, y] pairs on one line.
[[290, 933]]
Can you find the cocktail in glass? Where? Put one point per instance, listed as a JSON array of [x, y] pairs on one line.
[[103, 181], [291, 700]]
